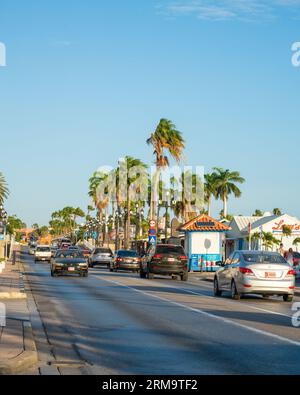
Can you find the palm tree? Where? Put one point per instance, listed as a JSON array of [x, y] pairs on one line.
[[286, 231], [257, 213], [296, 242], [209, 189], [4, 192], [268, 239], [94, 182], [165, 138], [277, 211], [131, 163], [225, 185]]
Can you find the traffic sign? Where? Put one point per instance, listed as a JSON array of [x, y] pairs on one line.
[[152, 232], [152, 239]]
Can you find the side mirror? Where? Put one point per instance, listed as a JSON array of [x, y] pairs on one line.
[[220, 263]]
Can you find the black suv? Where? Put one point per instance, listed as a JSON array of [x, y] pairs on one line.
[[165, 259]]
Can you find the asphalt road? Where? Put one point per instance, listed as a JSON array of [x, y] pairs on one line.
[[117, 323]]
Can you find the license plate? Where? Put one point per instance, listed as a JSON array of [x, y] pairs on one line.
[[71, 269], [171, 259], [43, 259], [270, 275]]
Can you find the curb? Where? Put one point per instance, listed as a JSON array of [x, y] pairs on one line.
[[27, 359]]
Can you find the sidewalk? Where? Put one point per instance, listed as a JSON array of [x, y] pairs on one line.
[[17, 347], [209, 276]]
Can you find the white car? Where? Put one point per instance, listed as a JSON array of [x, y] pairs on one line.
[[255, 272], [42, 253]]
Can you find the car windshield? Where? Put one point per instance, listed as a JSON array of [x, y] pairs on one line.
[[170, 250], [43, 249], [69, 255], [263, 258], [127, 253], [103, 251]]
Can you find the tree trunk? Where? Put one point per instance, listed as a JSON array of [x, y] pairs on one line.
[[209, 206], [127, 240], [225, 207]]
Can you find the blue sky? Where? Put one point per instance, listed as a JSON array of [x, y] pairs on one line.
[[86, 82]]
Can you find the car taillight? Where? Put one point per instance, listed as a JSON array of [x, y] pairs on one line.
[[183, 257], [245, 270], [291, 272], [157, 256], [119, 259]]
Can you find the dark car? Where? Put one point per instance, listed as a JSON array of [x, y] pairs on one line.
[[69, 262], [126, 260], [101, 256], [165, 259]]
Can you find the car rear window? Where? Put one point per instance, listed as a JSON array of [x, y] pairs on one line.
[[43, 249], [263, 258], [69, 254], [170, 250], [127, 253], [103, 251]]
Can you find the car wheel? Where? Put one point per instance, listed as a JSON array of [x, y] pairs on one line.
[[52, 274], [234, 292], [217, 291], [184, 277], [111, 270], [288, 298]]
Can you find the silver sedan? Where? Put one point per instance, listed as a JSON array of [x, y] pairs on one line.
[[255, 272]]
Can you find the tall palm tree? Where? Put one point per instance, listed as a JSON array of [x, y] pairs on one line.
[[131, 163], [210, 189], [94, 182], [226, 185], [4, 192], [165, 138]]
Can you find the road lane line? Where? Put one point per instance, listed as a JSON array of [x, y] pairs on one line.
[[228, 300], [210, 315], [218, 298]]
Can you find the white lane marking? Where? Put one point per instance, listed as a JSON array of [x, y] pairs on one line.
[[215, 298], [228, 300], [210, 315]]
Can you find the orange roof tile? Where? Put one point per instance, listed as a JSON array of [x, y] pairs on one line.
[[204, 223]]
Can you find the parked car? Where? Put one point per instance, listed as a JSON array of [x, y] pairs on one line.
[[69, 262], [101, 256], [42, 253], [255, 272], [165, 259], [126, 260]]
